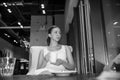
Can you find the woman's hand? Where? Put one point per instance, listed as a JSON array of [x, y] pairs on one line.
[[59, 62]]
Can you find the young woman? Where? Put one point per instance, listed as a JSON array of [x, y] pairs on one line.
[[55, 57]]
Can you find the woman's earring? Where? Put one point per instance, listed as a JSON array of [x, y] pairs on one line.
[[49, 35]]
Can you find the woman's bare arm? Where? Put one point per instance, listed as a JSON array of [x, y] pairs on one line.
[[70, 64], [41, 61]]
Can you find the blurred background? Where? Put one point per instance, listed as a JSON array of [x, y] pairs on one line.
[[15, 19], [24, 23], [91, 27]]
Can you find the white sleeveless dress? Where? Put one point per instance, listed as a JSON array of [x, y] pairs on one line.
[[59, 54]]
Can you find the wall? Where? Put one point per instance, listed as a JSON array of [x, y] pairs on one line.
[[38, 34], [59, 21]]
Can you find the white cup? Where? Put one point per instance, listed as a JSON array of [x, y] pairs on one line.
[[53, 57]]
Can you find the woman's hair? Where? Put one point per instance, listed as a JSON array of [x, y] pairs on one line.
[[49, 32]]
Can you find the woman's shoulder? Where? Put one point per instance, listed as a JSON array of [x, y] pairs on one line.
[[45, 50], [68, 47]]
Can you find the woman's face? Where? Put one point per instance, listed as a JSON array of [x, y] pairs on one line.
[[55, 34]]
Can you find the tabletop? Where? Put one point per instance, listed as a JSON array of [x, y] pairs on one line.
[[103, 76], [48, 77]]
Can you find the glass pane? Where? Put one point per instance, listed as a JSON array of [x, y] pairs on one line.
[[111, 10]]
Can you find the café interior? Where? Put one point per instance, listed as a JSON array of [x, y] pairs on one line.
[[91, 27]]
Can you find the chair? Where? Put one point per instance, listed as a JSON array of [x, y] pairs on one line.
[[33, 58]]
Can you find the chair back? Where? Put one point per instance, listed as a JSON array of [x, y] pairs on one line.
[[33, 57]]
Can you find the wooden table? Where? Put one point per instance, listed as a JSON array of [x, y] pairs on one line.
[[46, 77]]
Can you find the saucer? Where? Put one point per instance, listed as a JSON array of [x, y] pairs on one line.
[[63, 73]]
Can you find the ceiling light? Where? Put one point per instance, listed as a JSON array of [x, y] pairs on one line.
[[13, 4], [9, 11], [42, 6], [15, 41], [118, 35], [115, 23], [6, 34], [21, 26], [19, 23], [5, 4], [43, 11]]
